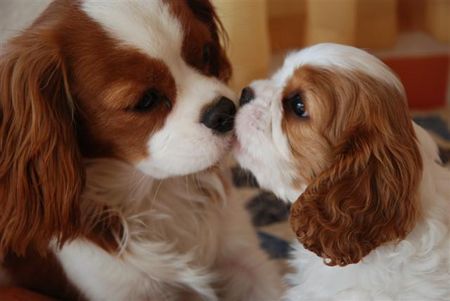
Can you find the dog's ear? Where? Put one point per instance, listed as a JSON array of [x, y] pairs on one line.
[[367, 196], [204, 10], [41, 175]]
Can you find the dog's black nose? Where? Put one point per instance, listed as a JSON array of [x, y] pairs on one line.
[[247, 95], [220, 116]]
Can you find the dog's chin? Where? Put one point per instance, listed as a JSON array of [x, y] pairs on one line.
[[179, 162], [243, 156], [243, 144], [236, 148], [253, 157]]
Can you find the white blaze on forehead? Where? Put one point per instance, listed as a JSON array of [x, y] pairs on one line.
[[336, 56], [147, 25]]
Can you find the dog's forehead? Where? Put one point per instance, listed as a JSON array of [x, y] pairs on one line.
[[337, 57], [138, 24]]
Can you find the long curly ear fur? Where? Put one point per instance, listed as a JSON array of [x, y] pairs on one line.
[[367, 197], [40, 170]]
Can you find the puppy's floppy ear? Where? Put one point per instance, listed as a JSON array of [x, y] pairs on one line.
[[40, 170], [367, 197]]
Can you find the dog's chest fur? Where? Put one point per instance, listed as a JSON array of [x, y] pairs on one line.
[[169, 236]]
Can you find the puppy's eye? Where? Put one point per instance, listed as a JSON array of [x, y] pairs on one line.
[[150, 100], [296, 104]]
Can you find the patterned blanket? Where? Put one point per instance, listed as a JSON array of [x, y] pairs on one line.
[[269, 214]]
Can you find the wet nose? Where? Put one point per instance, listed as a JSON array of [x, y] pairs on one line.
[[247, 95], [219, 116]]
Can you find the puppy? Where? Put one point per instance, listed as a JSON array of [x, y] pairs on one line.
[[113, 118], [330, 132]]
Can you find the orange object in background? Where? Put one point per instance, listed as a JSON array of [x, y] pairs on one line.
[[425, 79]]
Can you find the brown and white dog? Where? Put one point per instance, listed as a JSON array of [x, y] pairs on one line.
[[330, 132], [112, 114]]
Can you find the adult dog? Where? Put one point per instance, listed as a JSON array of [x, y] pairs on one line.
[[113, 118]]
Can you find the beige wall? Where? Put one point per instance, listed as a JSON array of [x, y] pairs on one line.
[[247, 27], [437, 18], [259, 28], [17, 14]]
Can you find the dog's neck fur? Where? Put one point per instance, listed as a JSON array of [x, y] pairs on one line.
[[139, 203], [129, 218]]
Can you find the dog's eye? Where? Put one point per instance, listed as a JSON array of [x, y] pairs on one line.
[[150, 100], [297, 105]]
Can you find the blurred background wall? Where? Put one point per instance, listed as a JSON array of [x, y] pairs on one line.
[[411, 36], [17, 14]]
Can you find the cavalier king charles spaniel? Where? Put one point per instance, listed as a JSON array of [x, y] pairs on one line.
[[113, 118], [330, 132]]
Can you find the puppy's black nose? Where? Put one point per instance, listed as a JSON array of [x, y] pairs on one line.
[[247, 95], [220, 116]]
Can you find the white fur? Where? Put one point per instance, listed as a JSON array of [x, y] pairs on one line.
[[149, 27], [336, 56], [262, 147], [417, 268], [181, 237]]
